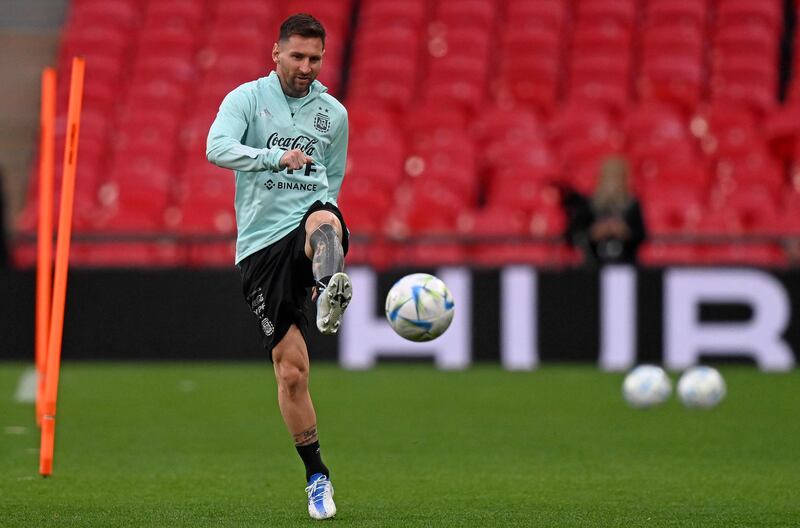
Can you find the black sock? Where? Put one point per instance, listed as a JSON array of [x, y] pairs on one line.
[[312, 459], [323, 283]]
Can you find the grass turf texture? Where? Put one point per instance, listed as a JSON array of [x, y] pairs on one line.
[[204, 445]]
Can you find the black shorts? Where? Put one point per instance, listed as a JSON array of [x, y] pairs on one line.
[[276, 279]]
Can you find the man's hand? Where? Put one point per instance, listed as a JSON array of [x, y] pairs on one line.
[[294, 159]]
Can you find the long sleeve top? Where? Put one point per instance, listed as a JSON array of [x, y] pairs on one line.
[[255, 125]]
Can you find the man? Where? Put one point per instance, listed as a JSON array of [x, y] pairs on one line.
[[287, 141]]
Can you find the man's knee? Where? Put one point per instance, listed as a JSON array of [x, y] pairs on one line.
[[291, 362], [292, 377], [318, 219]]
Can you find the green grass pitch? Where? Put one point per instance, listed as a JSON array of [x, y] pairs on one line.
[[193, 445]]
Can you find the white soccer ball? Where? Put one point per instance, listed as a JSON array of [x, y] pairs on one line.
[[419, 307], [646, 386], [701, 387]]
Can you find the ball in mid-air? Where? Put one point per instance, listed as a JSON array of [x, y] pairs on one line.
[[701, 387], [646, 386], [419, 307]]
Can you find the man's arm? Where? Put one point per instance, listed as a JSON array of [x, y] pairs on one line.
[[337, 161], [224, 147]]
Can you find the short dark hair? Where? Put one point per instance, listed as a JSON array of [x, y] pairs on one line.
[[303, 25]]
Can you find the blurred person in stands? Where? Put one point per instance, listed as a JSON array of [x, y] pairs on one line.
[[286, 140], [608, 225]]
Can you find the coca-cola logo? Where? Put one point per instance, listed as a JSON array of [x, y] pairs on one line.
[[304, 143]]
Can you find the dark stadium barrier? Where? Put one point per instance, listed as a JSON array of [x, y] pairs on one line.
[[518, 316]]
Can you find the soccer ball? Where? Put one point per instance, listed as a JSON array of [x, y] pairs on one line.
[[701, 387], [646, 386], [419, 307]]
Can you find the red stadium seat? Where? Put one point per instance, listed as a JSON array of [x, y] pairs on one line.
[[745, 67], [379, 142], [782, 130], [654, 123], [110, 40], [434, 115], [746, 39], [499, 123], [390, 82], [531, 39], [579, 121], [665, 254], [549, 14], [263, 13], [201, 216], [102, 13], [521, 194], [152, 93], [673, 217], [767, 13], [478, 15], [678, 13], [365, 203], [493, 222], [468, 91], [123, 254], [500, 236], [756, 167], [601, 80], [391, 14], [749, 81], [591, 39], [174, 68], [459, 80], [685, 42], [674, 80], [182, 15], [724, 129], [750, 208], [234, 38], [677, 181], [528, 253], [166, 41], [748, 254], [533, 81], [334, 14], [430, 254], [607, 14], [132, 218], [363, 164], [459, 42]]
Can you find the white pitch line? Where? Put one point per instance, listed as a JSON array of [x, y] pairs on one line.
[[26, 388]]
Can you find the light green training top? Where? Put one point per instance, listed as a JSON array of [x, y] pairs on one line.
[[252, 130]]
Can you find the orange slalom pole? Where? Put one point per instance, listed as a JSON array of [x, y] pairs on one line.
[[62, 261], [44, 263]]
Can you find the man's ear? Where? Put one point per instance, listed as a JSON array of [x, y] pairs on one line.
[[275, 51]]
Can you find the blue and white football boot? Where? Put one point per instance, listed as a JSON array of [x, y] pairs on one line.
[[320, 497], [332, 302]]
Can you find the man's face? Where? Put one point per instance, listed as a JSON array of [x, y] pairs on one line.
[[298, 61]]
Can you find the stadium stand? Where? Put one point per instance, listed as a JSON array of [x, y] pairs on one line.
[[465, 115]]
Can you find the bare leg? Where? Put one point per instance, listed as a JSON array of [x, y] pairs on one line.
[[290, 362]]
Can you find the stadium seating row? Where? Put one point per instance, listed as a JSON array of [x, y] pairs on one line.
[[463, 113]]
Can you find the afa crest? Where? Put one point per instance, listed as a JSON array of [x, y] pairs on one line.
[[322, 122]]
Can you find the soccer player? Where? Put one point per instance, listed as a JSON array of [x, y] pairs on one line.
[[286, 140]]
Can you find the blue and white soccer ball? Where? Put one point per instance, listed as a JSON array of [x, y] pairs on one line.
[[646, 386], [701, 387], [419, 307]]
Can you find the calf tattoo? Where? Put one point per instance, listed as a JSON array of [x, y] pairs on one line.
[[328, 253], [309, 436]]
